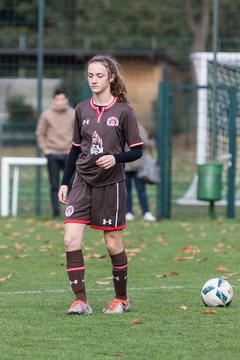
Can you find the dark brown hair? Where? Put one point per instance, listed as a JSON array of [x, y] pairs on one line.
[[117, 86]]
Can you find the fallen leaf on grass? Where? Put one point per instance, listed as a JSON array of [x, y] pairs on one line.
[[5, 278], [219, 247], [174, 273], [231, 274], [221, 268], [102, 282], [209, 312], [3, 247], [137, 322], [187, 249], [183, 307], [219, 221], [17, 234], [143, 246], [161, 276], [136, 250], [19, 257], [94, 256], [162, 239], [89, 248], [190, 249], [52, 273], [9, 257], [30, 221], [45, 248], [19, 246], [131, 254], [183, 258]]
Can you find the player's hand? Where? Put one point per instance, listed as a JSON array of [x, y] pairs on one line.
[[62, 194], [106, 161]]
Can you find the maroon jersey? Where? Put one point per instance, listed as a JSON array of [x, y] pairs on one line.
[[103, 131]]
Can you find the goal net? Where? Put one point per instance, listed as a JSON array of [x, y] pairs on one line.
[[227, 75]]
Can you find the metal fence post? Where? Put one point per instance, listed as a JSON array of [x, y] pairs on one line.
[[232, 90], [40, 61], [164, 152]]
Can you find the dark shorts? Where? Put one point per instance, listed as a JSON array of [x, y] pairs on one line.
[[100, 207]]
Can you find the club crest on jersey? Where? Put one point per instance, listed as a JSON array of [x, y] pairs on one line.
[[97, 144], [112, 121], [69, 210]]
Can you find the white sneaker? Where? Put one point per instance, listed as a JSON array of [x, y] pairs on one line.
[[149, 217], [130, 216]]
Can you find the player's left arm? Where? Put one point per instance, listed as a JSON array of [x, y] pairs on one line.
[[108, 161]]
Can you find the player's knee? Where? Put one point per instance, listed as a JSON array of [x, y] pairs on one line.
[[114, 243], [114, 247], [70, 242]]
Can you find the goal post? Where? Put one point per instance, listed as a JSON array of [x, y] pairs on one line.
[[228, 78], [202, 62]]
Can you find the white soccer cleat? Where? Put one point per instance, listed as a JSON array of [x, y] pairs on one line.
[[79, 307], [149, 217], [117, 306]]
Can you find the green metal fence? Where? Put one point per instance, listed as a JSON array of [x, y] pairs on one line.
[[169, 115]]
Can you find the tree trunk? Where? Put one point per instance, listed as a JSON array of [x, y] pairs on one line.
[[199, 28]]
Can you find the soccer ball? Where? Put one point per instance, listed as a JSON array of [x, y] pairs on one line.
[[217, 292]]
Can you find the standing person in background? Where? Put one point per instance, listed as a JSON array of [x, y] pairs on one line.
[[131, 170], [103, 125], [54, 135]]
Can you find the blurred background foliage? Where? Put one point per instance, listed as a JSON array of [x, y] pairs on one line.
[[174, 26]]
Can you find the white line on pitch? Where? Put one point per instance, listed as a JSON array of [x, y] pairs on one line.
[[55, 291]]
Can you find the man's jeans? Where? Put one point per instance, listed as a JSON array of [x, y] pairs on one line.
[[56, 164], [141, 191]]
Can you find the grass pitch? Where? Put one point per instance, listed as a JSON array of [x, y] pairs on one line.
[[169, 262]]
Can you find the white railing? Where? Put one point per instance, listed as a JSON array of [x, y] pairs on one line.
[[16, 162]]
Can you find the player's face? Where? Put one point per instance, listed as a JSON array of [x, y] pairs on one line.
[[60, 101], [98, 78]]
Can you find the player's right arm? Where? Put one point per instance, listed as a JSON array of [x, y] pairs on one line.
[[62, 194], [68, 173]]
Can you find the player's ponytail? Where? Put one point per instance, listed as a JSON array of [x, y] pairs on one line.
[[117, 86]]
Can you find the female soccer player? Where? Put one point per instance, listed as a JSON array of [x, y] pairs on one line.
[[103, 126]]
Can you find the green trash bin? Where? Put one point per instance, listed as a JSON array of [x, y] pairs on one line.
[[209, 182]]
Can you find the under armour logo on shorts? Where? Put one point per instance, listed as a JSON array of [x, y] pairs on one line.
[[105, 222]]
